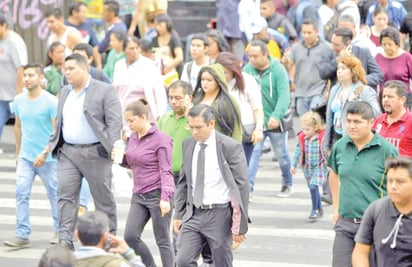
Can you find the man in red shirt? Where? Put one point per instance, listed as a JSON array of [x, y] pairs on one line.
[[396, 123]]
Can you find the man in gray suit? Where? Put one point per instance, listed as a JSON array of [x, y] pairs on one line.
[[89, 121], [210, 205]]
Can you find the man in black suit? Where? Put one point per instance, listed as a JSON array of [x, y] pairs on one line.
[[341, 43], [210, 205], [89, 121]]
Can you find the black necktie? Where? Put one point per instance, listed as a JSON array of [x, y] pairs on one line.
[[200, 177]]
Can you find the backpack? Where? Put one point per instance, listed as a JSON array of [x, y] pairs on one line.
[[100, 261], [332, 23]]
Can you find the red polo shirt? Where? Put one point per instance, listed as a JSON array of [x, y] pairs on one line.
[[398, 133]]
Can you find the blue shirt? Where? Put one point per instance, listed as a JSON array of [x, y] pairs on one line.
[[119, 26], [76, 129], [36, 123], [396, 13], [89, 37]]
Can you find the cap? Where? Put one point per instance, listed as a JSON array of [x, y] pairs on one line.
[[258, 24]]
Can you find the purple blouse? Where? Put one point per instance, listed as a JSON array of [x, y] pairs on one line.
[[399, 68], [150, 160]]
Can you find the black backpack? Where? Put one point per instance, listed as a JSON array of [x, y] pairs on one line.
[[332, 24]]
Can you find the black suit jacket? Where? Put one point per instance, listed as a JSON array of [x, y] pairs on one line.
[[374, 75], [233, 165]]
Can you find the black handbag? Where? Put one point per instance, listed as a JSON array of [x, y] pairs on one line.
[[286, 123]]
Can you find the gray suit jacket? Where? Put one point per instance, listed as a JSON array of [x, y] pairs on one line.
[[233, 165], [103, 113]]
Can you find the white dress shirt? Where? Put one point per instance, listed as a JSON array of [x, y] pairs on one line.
[[215, 188]]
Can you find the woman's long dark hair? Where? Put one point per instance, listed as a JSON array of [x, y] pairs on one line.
[[225, 109], [229, 61]]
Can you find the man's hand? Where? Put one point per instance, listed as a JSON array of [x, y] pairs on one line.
[[176, 226], [164, 207], [238, 238], [273, 124], [335, 216], [118, 245], [40, 160], [292, 170]]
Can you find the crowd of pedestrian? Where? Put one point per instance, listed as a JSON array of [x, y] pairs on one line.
[[194, 128]]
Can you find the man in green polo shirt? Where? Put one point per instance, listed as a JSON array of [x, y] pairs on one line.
[[174, 123], [357, 165]]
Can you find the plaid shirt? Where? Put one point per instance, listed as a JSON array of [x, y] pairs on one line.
[[314, 167]]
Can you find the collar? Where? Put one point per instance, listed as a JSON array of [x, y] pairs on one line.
[[91, 248], [394, 213], [376, 140], [173, 114], [210, 140], [316, 44], [403, 118], [85, 86]]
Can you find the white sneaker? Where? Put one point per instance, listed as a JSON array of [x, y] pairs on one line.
[[286, 192]]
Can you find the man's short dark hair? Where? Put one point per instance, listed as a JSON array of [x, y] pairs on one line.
[[36, 66], [145, 45], [75, 7], [56, 12], [260, 44], [311, 22], [84, 47], [401, 89], [399, 162], [185, 86], [3, 19], [362, 108], [113, 6], [203, 110], [345, 33], [202, 37], [91, 227], [80, 60]]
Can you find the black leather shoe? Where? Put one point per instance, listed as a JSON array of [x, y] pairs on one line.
[[327, 199]]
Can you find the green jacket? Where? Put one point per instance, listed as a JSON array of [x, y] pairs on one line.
[[274, 86]]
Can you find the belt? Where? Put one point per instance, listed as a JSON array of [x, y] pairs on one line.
[[353, 220], [213, 206], [82, 145], [150, 194]]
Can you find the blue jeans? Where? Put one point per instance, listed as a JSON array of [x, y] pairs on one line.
[[248, 149], [279, 146], [4, 114], [25, 176], [305, 104], [315, 196], [85, 194]]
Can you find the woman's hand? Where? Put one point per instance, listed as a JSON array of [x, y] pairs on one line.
[[164, 207], [257, 136]]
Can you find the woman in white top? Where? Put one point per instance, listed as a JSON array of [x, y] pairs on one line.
[[246, 91]]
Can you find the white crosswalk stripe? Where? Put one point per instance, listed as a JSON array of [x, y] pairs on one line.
[[280, 233]]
